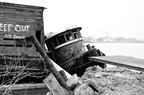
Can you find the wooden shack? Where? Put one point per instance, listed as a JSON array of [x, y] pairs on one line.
[[17, 52], [17, 23]]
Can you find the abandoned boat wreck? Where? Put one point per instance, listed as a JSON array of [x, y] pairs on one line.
[[68, 50]]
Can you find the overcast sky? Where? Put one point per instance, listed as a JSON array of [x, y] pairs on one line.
[[97, 17]]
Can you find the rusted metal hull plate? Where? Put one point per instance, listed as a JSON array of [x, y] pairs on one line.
[[122, 61]]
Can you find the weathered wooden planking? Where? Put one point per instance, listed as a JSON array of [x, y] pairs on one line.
[[15, 49], [17, 22], [22, 86], [31, 51], [123, 61], [7, 42], [20, 6], [54, 86]]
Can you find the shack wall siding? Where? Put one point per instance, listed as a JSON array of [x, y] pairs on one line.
[[16, 23]]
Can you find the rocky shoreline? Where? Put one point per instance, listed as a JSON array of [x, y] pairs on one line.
[[110, 81]]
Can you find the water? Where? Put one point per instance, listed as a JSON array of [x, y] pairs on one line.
[[135, 50], [127, 49]]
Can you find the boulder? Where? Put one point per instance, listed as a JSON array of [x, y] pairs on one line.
[[48, 93], [84, 89], [73, 81]]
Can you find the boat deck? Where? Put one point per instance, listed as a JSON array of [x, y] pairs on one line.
[[122, 61]]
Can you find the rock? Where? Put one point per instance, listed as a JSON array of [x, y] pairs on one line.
[[98, 75], [120, 75], [84, 89], [95, 68], [48, 93], [111, 81], [99, 68], [73, 81], [91, 84]]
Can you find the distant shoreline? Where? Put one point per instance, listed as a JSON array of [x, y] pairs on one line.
[[112, 40]]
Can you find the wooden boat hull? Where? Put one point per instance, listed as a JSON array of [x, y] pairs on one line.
[[79, 65]]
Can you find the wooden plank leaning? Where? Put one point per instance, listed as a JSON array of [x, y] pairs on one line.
[[48, 62], [54, 87]]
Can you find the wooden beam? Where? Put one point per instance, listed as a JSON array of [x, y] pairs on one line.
[[48, 63], [63, 75], [122, 61], [23, 86]]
